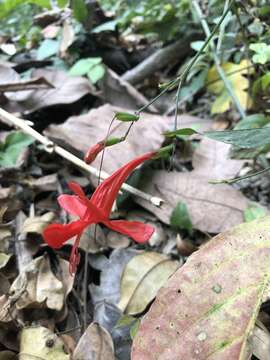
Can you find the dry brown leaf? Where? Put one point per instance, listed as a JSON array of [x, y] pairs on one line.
[[212, 208], [208, 308], [142, 277], [68, 37], [260, 342], [211, 159], [7, 355], [67, 89], [95, 344], [37, 224], [4, 259], [40, 343], [8, 76], [42, 286], [44, 183]]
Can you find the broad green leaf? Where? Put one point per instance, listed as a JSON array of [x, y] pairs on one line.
[[142, 277], [48, 48], [208, 308], [262, 51], [134, 328], [6, 6], [246, 138], [79, 10], [62, 3], [184, 131], [252, 121], [239, 84], [254, 211], [180, 219], [14, 144], [83, 66], [107, 26], [96, 73]]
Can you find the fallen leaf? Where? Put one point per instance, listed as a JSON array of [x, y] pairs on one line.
[[96, 343], [226, 280], [37, 224], [42, 286], [239, 83], [260, 342], [111, 271], [93, 239], [142, 277], [68, 36], [212, 208], [212, 160], [7, 355], [9, 76], [40, 343], [67, 89], [4, 259], [44, 183]]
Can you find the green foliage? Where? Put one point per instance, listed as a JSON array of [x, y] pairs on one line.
[[79, 10], [92, 67], [262, 53], [253, 212], [180, 219], [14, 144], [47, 48], [6, 6], [184, 131]]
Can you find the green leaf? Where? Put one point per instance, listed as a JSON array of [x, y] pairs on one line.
[[184, 131], [96, 73], [107, 26], [134, 328], [124, 116], [248, 138], [180, 219], [14, 144], [262, 51], [47, 49], [79, 10], [62, 3], [114, 141], [252, 121], [83, 66], [254, 211], [125, 320]]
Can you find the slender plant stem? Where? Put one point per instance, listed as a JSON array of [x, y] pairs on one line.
[[220, 71], [234, 180], [51, 147]]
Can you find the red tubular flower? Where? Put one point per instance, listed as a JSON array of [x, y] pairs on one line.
[[96, 210], [93, 152]]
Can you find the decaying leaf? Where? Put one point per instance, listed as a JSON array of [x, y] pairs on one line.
[[37, 224], [93, 126], [143, 276], [4, 259], [96, 343], [260, 342], [7, 355], [67, 89], [40, 343], [42, 286], [239, 83], [212, 208], [208, 308], [111, 272]]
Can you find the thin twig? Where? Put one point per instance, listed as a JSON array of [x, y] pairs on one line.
[[51, 147]]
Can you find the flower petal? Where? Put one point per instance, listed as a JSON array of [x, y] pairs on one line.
[[106, 193], [72, 204], [56, 235], [138, 231]]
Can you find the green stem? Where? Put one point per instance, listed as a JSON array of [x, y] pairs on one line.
[[220, 71], [234, 180]]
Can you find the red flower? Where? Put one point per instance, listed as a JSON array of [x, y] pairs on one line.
[[96, 210], [93, 152]]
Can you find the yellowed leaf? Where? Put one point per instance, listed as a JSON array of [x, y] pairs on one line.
[[37, 224], [143, 276], [40, 343], [239, 83]]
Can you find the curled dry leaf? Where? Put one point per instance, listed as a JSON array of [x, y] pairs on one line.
[[111, 272], [96, 343], [42, 286], [4, 259], [40, 343], [37, 224], [227, 280], [260, 342], [143, 276], [67, 89]]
